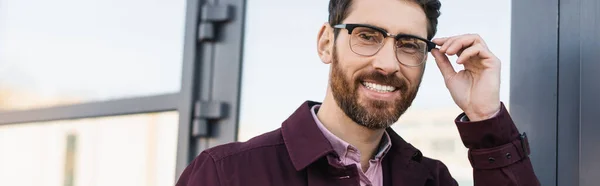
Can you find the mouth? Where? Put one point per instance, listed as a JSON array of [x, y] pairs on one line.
[[376, 91], [379, 87]]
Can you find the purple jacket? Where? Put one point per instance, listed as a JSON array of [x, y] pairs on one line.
[[296, 155]]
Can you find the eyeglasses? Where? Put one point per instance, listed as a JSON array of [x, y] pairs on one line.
[[367, 40]]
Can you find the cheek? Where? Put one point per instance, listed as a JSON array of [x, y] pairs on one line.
[[344, 54], [413, 74], [350, 64]]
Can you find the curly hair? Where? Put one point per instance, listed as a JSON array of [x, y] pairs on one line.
[[338, 10]]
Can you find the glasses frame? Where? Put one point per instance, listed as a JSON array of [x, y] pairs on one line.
[[351, 27]]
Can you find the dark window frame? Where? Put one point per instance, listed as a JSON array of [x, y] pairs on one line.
[[212, 73], [554, 87], [159, 103]]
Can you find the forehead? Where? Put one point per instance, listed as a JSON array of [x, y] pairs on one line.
[[395, 16]]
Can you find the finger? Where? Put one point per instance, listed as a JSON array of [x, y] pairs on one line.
[[460, 44], [475, 51], [447, 44], [443, 64], [440, 41], [468, 53]]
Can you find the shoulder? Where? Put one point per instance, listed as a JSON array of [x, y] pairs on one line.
[[264, 143], [218, 164], [434, 165]]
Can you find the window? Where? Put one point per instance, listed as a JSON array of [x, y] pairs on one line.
[[274, 75], [64, 52], [120, 150], [445, 146]]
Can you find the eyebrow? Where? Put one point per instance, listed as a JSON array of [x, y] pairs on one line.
[[372, 25], [400, 33]]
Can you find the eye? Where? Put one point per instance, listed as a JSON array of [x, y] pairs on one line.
[[367, 36], [410, 46]]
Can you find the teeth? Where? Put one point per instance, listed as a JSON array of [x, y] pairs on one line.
[[378, 87]]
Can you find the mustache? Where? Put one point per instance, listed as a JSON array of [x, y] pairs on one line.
[[391, 80]]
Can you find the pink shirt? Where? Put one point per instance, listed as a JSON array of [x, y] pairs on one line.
[[349, 155]]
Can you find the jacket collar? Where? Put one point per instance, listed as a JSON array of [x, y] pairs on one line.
[[307, 144], [402, 165], [303, 139], [402, 150]]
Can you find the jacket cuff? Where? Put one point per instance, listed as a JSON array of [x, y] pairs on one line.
[[494, 132], [501, 156]]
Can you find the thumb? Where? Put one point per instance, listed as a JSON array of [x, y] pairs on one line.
[[443, 64]]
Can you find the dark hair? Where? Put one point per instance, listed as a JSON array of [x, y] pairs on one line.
[[338, 10]]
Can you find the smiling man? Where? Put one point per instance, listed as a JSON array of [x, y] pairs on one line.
[[376, 50]]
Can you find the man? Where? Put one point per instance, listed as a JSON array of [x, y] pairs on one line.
[[376, 50]]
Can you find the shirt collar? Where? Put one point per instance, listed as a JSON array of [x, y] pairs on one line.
[[340, 146]]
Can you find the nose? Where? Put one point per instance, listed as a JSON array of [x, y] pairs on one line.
[[385, 60]]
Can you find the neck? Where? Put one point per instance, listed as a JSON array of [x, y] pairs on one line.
[[337, 122]]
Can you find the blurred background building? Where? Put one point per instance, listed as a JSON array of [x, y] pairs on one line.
[[96, 93]]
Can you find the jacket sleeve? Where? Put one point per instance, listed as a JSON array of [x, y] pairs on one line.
[[201, 172], [498, 153]]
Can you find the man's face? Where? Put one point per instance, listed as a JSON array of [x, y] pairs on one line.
[[374, 91]]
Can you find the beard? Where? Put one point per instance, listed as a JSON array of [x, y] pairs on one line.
[[373, 114]]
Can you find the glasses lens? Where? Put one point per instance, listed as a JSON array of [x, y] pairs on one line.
[[366, 41], [411, 51]]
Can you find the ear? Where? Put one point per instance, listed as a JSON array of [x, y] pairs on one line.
[[325, 42]]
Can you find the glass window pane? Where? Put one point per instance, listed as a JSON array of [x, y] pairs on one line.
[[276, 79], [72, 51], [123, 150]]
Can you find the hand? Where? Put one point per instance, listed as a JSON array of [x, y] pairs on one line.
[[476, 89]]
